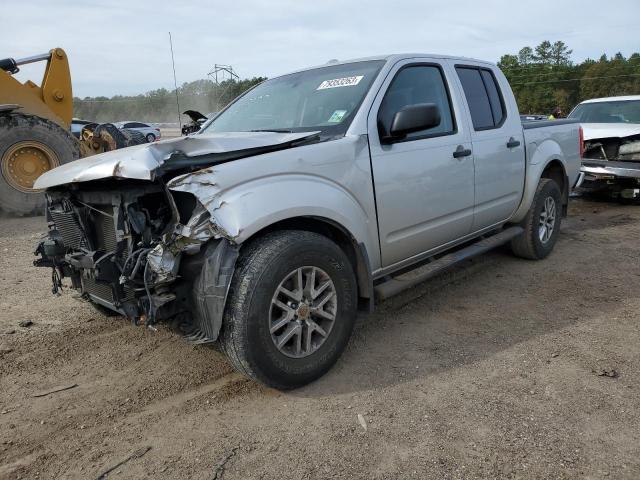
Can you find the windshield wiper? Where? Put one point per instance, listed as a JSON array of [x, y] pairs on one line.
[[275, 130]]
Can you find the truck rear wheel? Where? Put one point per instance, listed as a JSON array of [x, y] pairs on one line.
[[291, 308], [29, 146], [542, 223]]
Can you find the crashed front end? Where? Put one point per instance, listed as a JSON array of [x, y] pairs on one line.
[[139, 231], [138, 249], [612, 165]]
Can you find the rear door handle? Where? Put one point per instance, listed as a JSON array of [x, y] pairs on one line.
[[461, 152], [513, 143]]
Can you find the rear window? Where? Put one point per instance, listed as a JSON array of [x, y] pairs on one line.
[[483, 97]]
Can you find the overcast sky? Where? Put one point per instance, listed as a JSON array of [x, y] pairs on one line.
[[118, 47]]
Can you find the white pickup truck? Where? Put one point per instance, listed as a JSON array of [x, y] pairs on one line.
[[307, 198]]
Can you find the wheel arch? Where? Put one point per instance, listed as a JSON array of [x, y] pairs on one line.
[[356, 251], [554, 170]]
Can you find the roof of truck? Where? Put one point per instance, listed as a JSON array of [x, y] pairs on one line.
[[393, 58], [623, 98]]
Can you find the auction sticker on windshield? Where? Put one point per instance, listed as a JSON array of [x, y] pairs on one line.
[[337, 116], [341, 82]]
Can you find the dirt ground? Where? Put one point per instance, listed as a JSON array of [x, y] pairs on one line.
[[496, 370]]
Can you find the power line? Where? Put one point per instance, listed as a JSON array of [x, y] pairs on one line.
[[559, 73], [578, 79]]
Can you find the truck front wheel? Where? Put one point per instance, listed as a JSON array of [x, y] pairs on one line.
[[542, 223], [290, 310]]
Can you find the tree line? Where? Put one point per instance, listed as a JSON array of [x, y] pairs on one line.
[[543, 78], [205, 96]]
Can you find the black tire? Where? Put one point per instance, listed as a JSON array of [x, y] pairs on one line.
[[529, 245], [15, 128], [151, 138], [246, 337]]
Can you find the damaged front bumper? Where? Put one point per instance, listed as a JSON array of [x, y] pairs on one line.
[[612, 164], [142, 251], [620, 177], [603, 169]]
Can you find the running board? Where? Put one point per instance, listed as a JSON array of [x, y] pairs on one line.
[[410, 279]]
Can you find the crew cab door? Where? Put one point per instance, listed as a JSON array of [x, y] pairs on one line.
[[497, 141], [424, 194]]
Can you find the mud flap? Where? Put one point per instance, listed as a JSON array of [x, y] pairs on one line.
[[210, 291]]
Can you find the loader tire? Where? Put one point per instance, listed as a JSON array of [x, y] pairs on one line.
[[540, 230], [291, 308], [30, 146]]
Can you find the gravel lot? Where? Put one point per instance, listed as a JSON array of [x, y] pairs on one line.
[[496, 370]]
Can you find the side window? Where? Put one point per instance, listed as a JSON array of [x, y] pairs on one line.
[[129, 125], [413, 85], [495, 99], [483, 97]]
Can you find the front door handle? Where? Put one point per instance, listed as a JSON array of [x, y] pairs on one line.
[[513, 143], [461, 152]]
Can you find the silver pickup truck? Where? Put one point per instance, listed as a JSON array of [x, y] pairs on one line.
[[307, 198]]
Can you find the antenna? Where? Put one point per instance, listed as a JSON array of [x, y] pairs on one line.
[[175, 82]]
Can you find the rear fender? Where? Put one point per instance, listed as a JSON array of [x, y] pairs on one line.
[[540, 156]]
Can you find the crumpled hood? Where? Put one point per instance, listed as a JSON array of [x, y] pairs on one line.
[[141, 162], [609, 130]]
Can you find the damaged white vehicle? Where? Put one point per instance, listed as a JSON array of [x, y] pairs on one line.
[[611, 158], [305, 199]]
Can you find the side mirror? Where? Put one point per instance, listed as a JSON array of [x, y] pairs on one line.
[[413, 118]]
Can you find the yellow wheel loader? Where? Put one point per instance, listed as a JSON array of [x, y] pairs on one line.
[[34, 130]]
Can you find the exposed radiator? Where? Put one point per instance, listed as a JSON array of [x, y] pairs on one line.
[[104, 291], [67, 224], [100, 290], [105, 230]]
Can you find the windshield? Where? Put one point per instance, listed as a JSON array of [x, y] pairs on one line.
[[323, 99], [624, 111]]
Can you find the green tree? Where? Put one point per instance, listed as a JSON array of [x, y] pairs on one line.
[[546, 77]]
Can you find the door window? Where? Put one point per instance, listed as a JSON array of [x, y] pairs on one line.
[[413, 85], [483, 97]]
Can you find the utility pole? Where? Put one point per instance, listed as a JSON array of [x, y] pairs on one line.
[[219, 74]]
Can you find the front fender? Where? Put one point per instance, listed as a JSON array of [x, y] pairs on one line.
[[244, 209]]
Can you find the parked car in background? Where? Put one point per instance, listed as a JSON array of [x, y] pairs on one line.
[[533, 116], [150, 131], [197, 121], [306, 198], [611, 159]]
